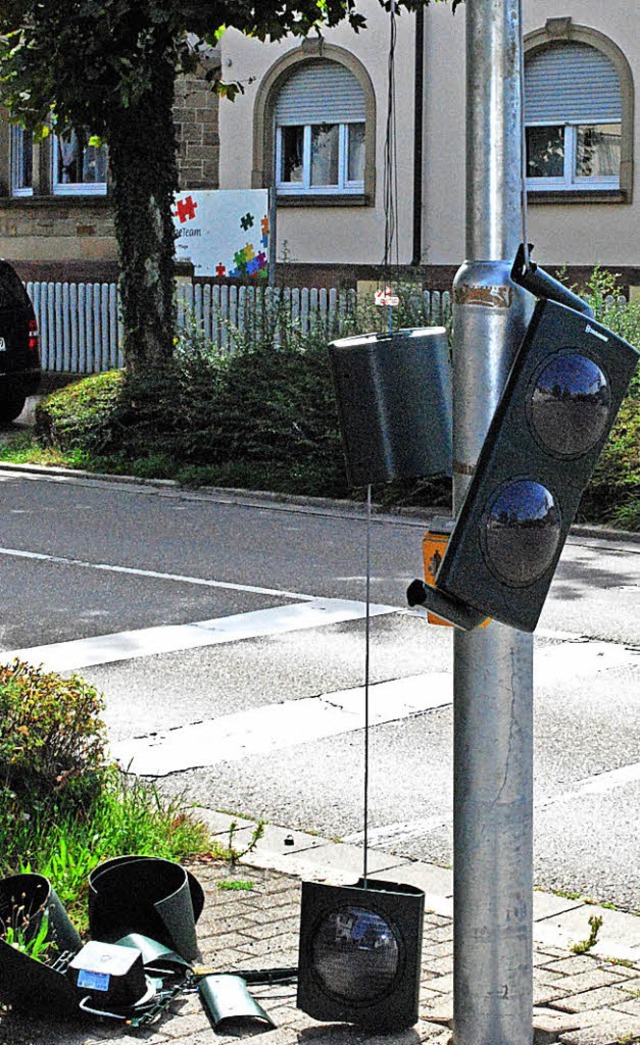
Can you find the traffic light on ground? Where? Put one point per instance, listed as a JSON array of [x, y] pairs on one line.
[[558, 406]]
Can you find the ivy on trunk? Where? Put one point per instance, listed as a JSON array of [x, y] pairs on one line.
[[143, 195]]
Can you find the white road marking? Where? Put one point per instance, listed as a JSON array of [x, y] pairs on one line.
[[263, 730], [406, 830], [174, 577], [145, 642], [595, 785]]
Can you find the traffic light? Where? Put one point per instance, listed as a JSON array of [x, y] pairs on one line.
[[360, 953], [556, 411]]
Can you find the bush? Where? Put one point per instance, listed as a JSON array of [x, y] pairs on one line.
[[83, 415], [260, 404], [63, 806], [613, 495], [52, 739]]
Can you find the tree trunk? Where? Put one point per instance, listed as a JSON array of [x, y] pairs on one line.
[[143, 196]]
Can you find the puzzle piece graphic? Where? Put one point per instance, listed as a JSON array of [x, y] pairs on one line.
[[186, 209], [246, 222]]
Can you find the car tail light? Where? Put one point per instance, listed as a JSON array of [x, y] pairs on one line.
[[33, 343]]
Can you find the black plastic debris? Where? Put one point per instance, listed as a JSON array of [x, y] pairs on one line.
[[27, 984], [228, 1003], [142, 917], [110, 980], [147, 895]]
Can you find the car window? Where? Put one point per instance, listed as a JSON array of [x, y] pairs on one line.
[[12, 291]]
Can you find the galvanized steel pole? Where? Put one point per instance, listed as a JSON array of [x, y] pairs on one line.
[[493, 699]]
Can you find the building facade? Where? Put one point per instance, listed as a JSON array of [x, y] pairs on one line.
[[56, 220], [362, 139]]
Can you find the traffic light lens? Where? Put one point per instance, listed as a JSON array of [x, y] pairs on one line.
[[522, 532], [570, 407], [356, 954]]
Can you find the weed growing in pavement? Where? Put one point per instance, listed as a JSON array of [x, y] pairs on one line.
[[595, 921], [232, 854]]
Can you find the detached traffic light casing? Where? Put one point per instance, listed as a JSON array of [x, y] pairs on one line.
[[393, 394], [558, 406]]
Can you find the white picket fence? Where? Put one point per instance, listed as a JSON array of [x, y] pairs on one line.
[[81, 330]]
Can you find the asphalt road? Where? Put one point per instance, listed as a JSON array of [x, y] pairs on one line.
[[227, 634]]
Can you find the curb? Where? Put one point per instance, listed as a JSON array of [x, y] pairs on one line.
[[558, 921], [287, 502]]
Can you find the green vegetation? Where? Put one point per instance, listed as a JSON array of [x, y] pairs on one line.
[[64, 807], [595, 923], [261, 417], [239, 885], [613, 495]]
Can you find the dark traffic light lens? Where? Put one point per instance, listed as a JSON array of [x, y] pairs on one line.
[[356, 954], [570, 405], [522, 532]]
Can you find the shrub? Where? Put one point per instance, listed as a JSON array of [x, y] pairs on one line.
[[52, 739], [261, 403], [613, 495], [83, 415]]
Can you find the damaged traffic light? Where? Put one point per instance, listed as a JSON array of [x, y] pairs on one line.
[[556, 411]]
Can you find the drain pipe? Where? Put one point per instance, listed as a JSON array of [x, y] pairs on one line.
[[418, 139]]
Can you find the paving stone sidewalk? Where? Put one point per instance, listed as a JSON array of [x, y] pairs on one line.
[[579, 999]]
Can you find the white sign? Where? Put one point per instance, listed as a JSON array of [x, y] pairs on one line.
[[223, 232], [386, 297]]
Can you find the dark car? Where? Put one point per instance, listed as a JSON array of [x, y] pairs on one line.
[[19, 345]]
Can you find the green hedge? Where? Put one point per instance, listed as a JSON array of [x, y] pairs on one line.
[[264, 416]]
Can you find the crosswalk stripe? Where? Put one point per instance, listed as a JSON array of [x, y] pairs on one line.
[[145, 642], [272, 727]]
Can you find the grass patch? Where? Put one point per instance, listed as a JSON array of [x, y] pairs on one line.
[[64, 807], [128, 817], [236, 885]]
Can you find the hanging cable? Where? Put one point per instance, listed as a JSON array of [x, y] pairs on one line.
[[524, 230], [390, 162], [367, 648]]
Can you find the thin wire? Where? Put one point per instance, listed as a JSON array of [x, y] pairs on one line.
[[390, 162], [367, 650], [524, 230]]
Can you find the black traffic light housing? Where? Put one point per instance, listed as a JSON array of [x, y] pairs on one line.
[[552, 421]]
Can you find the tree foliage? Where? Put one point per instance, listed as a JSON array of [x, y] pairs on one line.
[[108, 68]]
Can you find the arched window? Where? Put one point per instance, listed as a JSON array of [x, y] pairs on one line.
[[320, 121], [315, 128], [577, 121]]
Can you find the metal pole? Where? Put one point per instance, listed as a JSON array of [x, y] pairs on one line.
[[493, 687]]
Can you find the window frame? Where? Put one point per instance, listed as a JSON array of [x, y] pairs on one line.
[[571, 180], [587, 191], [74, 188], [265, 130], [19, 139], [343, 186]]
